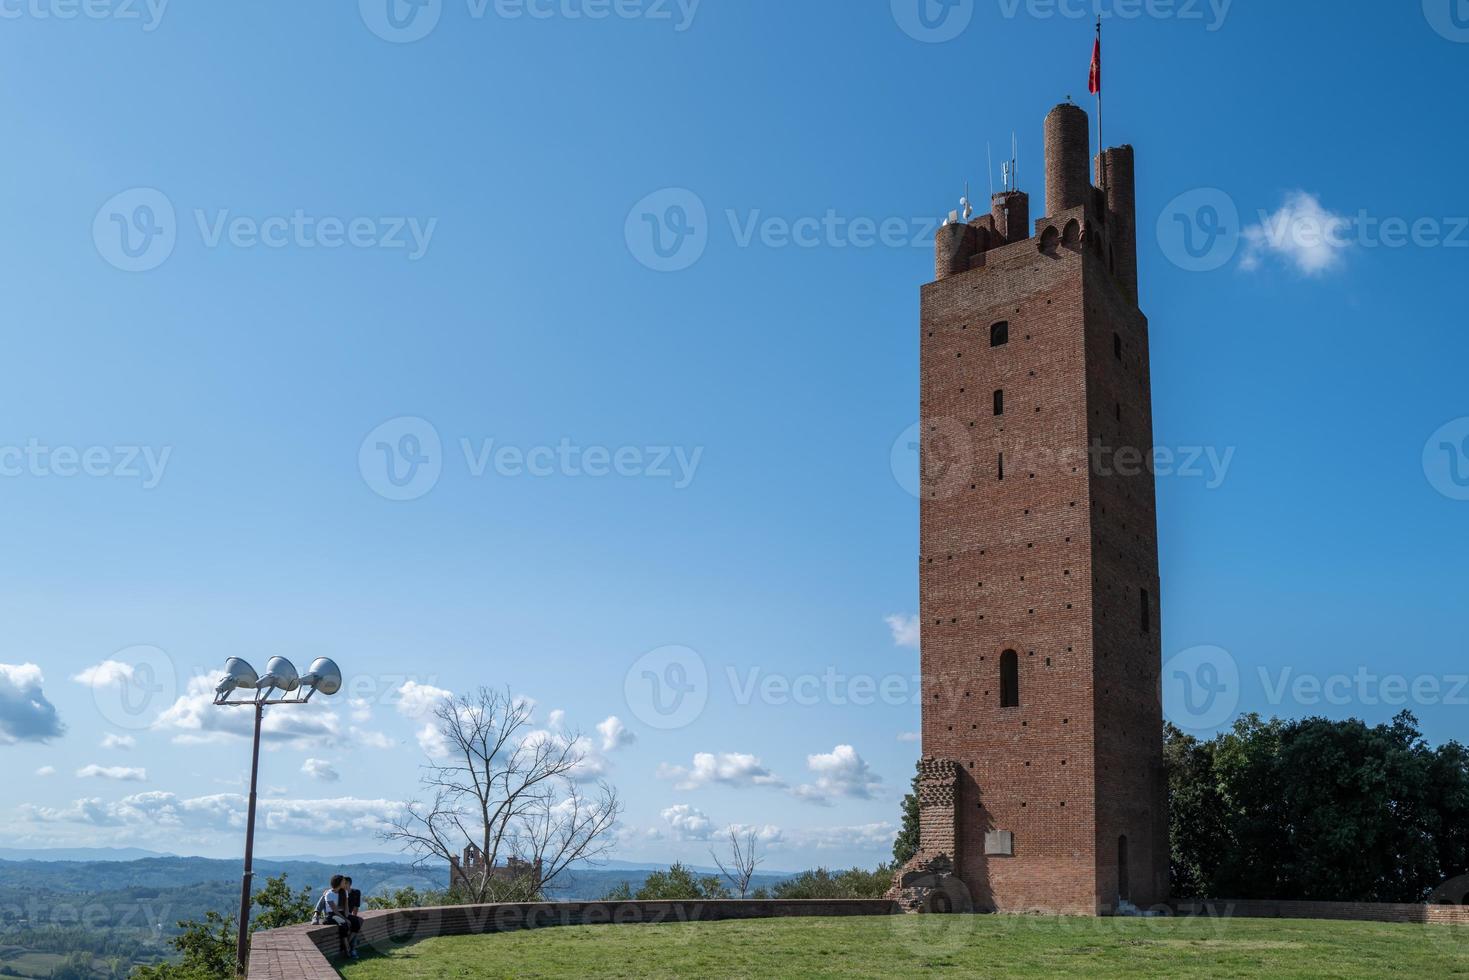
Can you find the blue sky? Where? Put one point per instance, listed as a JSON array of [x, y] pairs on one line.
[[690, 448]]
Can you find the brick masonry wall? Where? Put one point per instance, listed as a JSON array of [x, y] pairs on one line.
[[1006, 565], [307, 952], [1131, 782], [1455, 915], [1049, 560]]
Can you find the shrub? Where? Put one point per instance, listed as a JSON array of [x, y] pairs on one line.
[[822, 883]]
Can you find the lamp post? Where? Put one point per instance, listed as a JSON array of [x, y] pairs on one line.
[[280, 676]]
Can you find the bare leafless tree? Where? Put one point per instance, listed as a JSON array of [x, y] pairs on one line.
[[743, 858], [511, 792]]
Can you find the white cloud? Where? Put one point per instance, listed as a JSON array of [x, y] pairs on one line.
[[905, 630], [371, 739], [1303, 233], [686, 822], [557, 720], [767, 834], [909, 737], [725, 768], [432, 741], [615, 734], [839, 773], [592, 766], [196, 720], [110, 741], [225, 811], [105, 674], [122, 773], [320, 769], [864, 836], [45, 771], [25, 714], [418, 701], [361, 709]]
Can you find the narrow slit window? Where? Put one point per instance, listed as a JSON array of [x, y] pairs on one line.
[[1117, 345], [1009, 679], [1146, 610], [1000, 466], [1000, 402], [1000, 334]]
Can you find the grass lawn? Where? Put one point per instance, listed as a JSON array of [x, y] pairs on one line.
[[988, 946]]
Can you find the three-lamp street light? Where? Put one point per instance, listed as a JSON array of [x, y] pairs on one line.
[[280, 684]]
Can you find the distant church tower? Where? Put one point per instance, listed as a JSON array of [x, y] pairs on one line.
[[1042, 724]]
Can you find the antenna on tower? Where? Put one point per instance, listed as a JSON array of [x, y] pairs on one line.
[[965, 208], [1015, 159], [990, 159]]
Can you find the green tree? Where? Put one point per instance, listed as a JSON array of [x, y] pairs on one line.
[[678, 883], [824, 884], [412, 898], [208, 950], [1317, 809], [621, 893], [1198, 821], [276, 906], [908, 840], [76, 966]]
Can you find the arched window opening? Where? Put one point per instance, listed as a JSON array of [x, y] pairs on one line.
[[1000, 334], [1009, 679]]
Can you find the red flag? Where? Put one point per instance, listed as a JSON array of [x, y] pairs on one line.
[[1094, 84]]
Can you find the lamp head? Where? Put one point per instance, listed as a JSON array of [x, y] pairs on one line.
[[323, 676], [238, 676], [280, 674]]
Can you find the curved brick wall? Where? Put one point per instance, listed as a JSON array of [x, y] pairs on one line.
[[1348, 911], [307, 952], [1068, 159]]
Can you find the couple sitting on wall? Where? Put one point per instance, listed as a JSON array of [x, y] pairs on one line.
[[341, 905]]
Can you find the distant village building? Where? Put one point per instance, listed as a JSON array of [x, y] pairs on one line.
[[473, 866]]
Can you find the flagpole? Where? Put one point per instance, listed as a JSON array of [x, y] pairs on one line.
[[1101, 146]]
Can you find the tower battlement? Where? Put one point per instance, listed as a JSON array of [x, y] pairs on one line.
[[1101, 218]]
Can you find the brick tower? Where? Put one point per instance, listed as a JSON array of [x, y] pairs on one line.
[[1042, 723]]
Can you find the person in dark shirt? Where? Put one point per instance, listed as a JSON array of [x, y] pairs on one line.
[[352, 902]]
